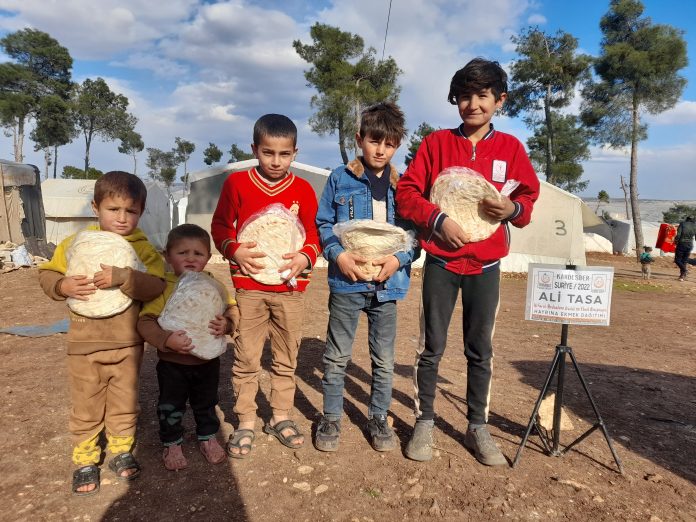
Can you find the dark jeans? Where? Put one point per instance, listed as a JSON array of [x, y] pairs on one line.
[[344, 312], [681, 258], [181, 382], [480, 297]]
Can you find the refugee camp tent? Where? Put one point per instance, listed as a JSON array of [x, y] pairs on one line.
[[555, 234], [21, 211], [206, 186], [68, 205]]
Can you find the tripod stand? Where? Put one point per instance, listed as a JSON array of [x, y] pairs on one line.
[[552, 446]]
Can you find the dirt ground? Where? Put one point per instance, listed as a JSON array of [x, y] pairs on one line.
[[641, 370]]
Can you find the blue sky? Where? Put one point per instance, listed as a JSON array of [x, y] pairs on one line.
[[206, 70]]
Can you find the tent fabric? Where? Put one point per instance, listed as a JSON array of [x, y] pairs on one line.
[[554, 235], [68, 204], [21, 211], [207, 184], [17, 174]]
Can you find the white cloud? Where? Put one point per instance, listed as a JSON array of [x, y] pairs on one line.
[[97, 30], [537, 19], [683, 113], [161, 67]]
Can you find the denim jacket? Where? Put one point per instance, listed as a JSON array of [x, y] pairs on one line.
[[347, 195]]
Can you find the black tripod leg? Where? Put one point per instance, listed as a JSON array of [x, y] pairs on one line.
[[600, 422], [532, 419]]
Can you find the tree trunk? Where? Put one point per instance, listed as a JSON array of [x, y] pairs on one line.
[[19, 141], [55, 160], [549, 136], [47, 159], [625, 191], [342, 142], [88, 142], [633, 179], [135, 163]]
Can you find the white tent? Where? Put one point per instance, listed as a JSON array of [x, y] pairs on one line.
[[555, 234], [206, 185], [68, 207]]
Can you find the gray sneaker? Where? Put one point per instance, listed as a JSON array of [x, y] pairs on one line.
[[328, 434], [485, 450], [381, 435], [420, 447]]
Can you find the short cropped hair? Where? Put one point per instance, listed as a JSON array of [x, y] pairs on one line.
[[475, 76], [187, 231], [276, 126], [119, 183], [384, 120]]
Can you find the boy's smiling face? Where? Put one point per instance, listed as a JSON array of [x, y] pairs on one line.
[[118, 214], [275, 153], [477, 109], [188, 254], [376, 153]]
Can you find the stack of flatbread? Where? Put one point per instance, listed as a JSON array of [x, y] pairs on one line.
[[458, 192], [88, 251], [372, 240], [196, 300], [276, 231]]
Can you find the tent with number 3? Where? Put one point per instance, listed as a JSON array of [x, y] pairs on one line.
[[555, 234]]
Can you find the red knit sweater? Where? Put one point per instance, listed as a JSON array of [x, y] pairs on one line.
[[245, 193], [499, 158]]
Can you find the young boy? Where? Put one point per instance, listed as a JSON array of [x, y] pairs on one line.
[[274, 310], [478, 90], [181, 375], [104, 355], [363, 189], [645, 260]]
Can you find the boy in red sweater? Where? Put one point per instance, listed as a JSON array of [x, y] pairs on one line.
[[478, 90], [266, 310]]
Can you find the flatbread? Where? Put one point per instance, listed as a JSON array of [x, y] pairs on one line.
[[88, 251], [458, 192], [372, 240], [275, 233], [196, 300]]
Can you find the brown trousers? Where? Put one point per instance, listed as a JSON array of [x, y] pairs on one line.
[[104, 392], [263, 315]]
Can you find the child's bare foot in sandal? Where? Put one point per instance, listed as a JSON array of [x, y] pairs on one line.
[[173, 457], [212, 451]]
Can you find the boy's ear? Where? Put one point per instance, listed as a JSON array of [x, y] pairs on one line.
[[501, 101], [95, 208], [255, 150], [358, 140]]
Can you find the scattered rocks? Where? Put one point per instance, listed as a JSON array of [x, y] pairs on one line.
[[302, 486], [305, 470], [598, 499], [654, 477], [434, 509], [414, 491], [321, 488]]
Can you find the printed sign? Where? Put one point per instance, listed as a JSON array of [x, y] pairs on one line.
[[557, 294]]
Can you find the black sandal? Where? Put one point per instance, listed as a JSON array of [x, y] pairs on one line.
[[85, 476], [235, 442], [123, 462], [277, 432]]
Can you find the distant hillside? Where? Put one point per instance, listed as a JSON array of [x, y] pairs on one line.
[[650, 209]]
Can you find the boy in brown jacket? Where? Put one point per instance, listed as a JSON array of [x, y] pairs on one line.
[[104, 354]]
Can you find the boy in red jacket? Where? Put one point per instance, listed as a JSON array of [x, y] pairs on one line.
[[478, 90], [266, 310]]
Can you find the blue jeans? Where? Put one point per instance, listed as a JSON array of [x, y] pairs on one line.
[[344, 312]]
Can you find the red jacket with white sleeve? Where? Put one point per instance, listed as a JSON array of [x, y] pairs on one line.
[[246, 192], [499, 157]]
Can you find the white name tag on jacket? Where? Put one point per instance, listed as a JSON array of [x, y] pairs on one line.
[[499, 170]]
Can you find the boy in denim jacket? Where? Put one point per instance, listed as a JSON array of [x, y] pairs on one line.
[[363, 189]]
